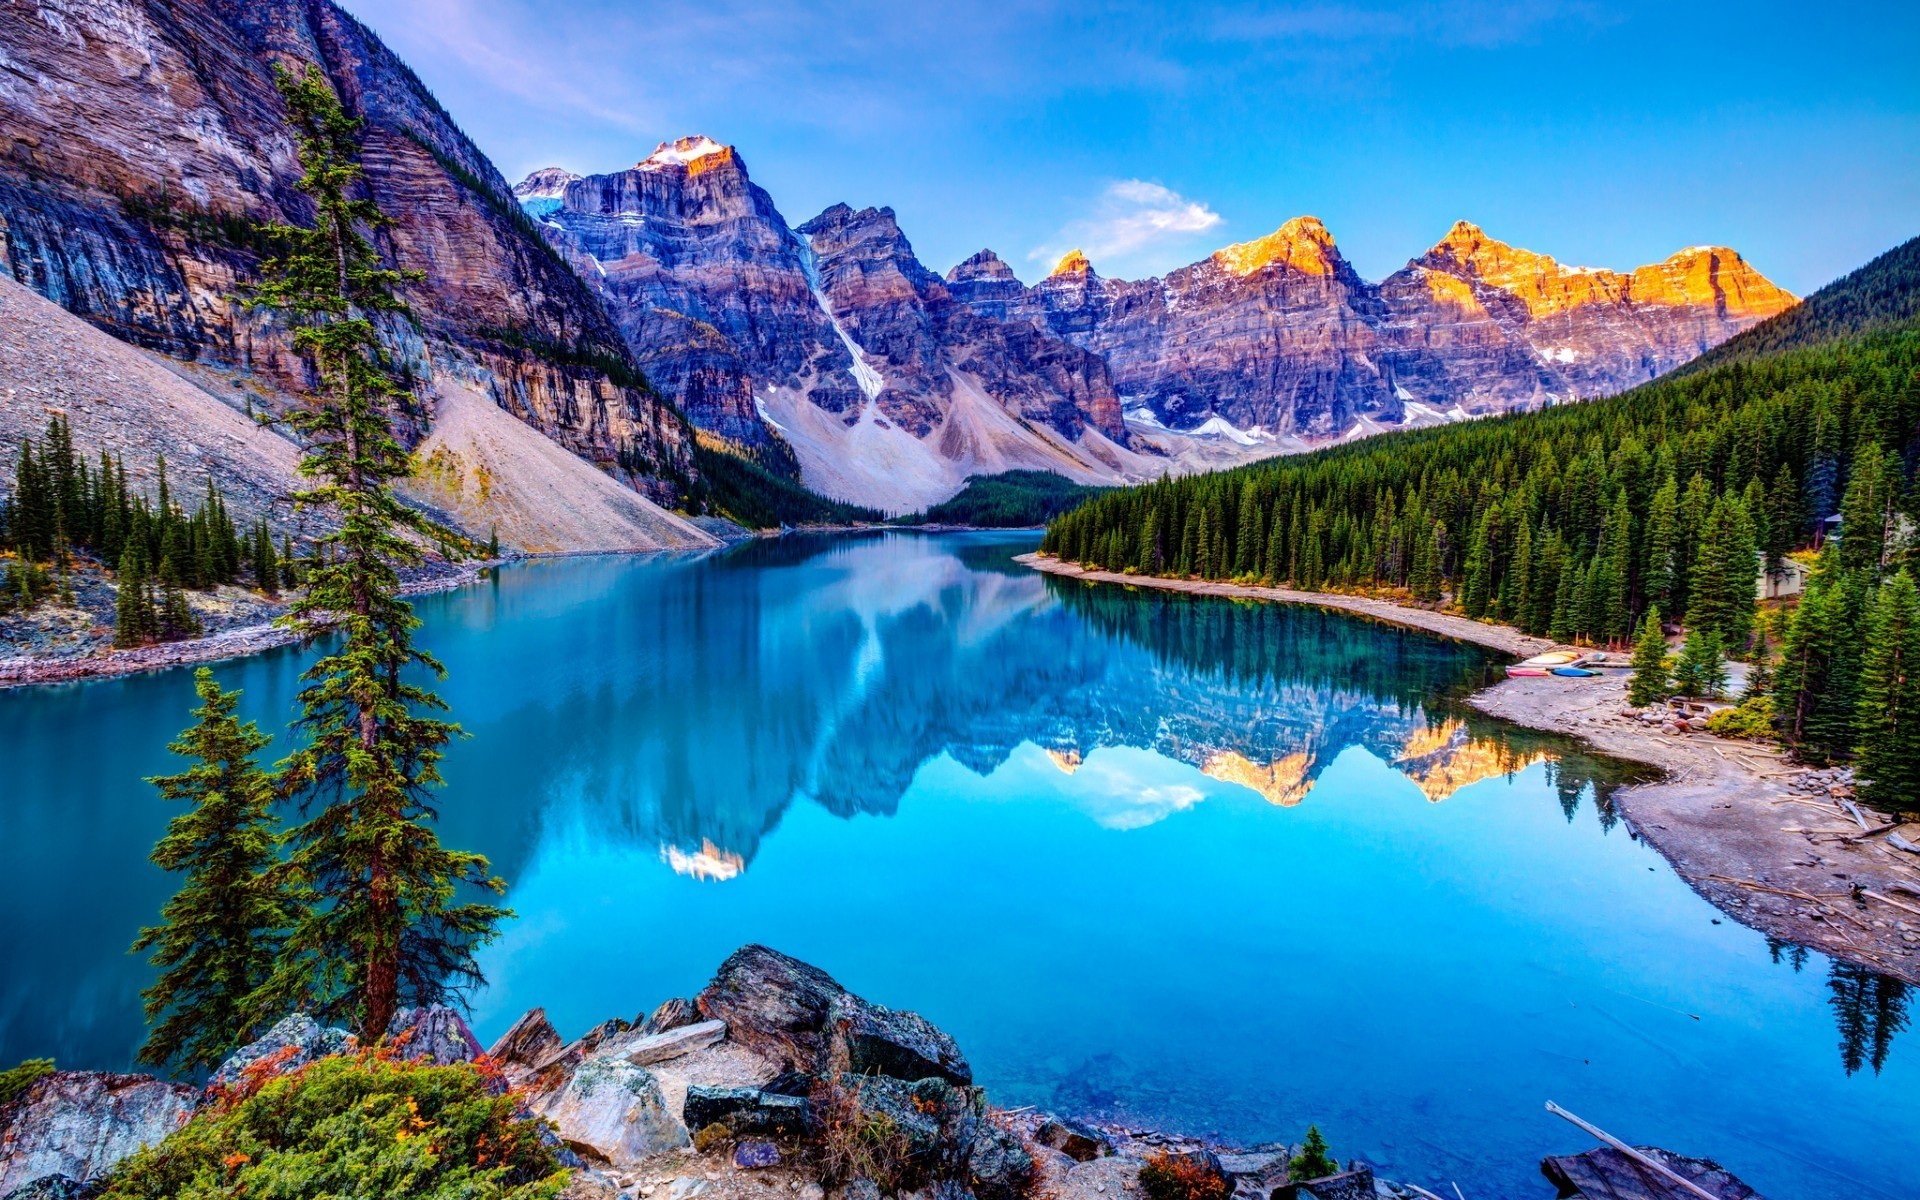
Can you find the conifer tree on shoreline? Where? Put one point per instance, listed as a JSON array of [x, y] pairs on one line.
[[221, 932], [385, 926]]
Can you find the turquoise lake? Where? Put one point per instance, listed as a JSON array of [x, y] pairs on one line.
[[1227, 868]]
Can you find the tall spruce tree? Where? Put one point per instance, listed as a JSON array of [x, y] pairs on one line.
[[1722, 587], [221, 932], [1652, 679], [1888, 722], [388, 926]]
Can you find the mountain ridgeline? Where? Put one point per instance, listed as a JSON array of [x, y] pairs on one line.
[[1575, 522], [890, 385]]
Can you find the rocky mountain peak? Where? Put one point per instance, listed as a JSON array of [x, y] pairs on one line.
[[1302, 244], [547, 181], [985, 265], [1073, 262], [694, 155]]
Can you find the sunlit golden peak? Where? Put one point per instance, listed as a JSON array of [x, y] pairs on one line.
[[1302, 243], [1073, 262]]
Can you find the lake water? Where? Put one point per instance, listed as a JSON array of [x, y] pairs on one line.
[[1228, 868]]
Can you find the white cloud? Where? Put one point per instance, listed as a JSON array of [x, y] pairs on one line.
[[1132, 217]]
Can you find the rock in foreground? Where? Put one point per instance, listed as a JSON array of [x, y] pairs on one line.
[[78, 1124]]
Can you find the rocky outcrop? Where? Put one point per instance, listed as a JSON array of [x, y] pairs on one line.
[[77, 1124], [144, 145], [793, 1012], [613, 1112], [293, 1042], [1279, 337], [830, 341]]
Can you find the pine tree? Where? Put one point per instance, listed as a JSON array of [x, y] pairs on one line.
[[221, 932], [135, 621], [388, 927], [1816, 685], [1866, 512], [1760, 674], [1722, 589], [1889, 712], [1701, 670], [1652, 679], [1313, 1161]]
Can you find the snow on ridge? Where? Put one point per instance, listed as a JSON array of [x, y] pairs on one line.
[[681, 152]]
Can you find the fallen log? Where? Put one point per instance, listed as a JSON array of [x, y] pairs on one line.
[[1659, 1168]]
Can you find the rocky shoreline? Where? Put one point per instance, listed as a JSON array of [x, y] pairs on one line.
[[773, 1081], [103, 661], [1771, 845]]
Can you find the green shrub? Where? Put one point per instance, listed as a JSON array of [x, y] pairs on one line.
[[1753, 719], [354, 1126], [1168, 1176], [16, 1080]]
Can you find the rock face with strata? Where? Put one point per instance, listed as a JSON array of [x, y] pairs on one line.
[[1281, 335], [143, 143], [78, 1124]]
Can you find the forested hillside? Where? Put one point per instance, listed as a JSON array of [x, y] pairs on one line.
[[1569, 523], [1884, 293], [1009, 500]]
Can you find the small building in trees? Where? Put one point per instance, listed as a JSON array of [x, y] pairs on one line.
[[1789, 580]]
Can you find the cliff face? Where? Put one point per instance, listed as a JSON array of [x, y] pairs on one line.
[[1281, 336], [143, 142], [832, 338]]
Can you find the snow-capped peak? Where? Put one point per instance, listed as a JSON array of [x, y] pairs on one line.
[[683, 152]]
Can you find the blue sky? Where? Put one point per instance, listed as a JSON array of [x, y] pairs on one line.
[[1606, 134]]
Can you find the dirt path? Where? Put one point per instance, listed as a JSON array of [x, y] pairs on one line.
[[1789, 863]]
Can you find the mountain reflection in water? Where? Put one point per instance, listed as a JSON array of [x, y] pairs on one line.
[[1225, 867]]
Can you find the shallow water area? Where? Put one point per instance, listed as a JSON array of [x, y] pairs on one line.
[[1225, 867]]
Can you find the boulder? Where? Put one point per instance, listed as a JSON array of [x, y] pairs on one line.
[[1072, 1139], [1356, 1184], [745, 1111], [1607, 1174], [295, 1041], [601, 1034], [1256, 1173], [527, 1042], [79, 1124], [998, 1166], [670, 1015], [435, 1034], [797, 1014], [683, 1039], [614, 1112]]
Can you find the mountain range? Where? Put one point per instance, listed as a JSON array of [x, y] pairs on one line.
[[890, 383], [573, 337]]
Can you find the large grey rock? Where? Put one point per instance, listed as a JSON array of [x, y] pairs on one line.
[[670, 1015], [745, 1111], [798, 1014], [1072, 1139], [435, 1034], [614, 1112], [1607, 1174], [1356, 1184], [81, 1123], [681, 1040], [295, 1041]]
